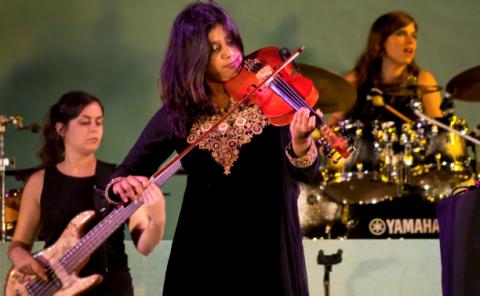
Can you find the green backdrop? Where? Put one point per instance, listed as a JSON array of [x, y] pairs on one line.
[[114, 49]]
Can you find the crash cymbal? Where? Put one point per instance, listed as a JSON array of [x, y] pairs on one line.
[[336, 93], [409, 90], [466, 85]]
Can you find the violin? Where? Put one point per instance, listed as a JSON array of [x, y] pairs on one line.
[[282, 93]]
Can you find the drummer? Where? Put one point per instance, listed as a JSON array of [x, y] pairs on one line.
[[388, 61]]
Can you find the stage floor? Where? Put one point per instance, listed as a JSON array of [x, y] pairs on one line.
[[369, 267]]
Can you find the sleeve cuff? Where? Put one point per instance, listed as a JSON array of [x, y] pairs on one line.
[[302, 161]]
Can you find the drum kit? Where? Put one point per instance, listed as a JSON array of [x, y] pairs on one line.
[[423, 159], [10, 200]]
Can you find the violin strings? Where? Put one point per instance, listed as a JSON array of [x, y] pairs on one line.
[[293, 98], [289, 94]]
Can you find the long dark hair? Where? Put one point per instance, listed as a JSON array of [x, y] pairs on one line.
[[67, 108], [182, 76], [369, 65]]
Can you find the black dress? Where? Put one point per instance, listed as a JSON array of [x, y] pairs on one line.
[[62, 198], [238, 230]]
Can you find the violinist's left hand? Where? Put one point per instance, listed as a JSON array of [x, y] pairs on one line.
[[301, 126]]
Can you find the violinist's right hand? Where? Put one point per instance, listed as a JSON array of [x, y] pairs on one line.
[[130, 187], [24, 262]]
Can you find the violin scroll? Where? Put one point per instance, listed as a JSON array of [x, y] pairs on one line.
[[333, 143]]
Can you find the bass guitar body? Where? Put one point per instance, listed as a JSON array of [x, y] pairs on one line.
[[61, 271]]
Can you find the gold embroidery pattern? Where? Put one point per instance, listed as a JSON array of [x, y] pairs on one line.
[[302, 161], [225, 142]]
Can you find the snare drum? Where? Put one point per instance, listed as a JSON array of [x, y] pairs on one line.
[[369, 174], [447, 164]]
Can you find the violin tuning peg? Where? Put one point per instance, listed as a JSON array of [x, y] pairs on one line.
[[336, 160], [331, 153]]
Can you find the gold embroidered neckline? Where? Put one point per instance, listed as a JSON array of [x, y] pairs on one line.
[[225, 142]]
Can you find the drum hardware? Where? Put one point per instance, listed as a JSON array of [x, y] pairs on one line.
[[446, 163], [448, 128], [369, 174], [427, 159], [5, 162], [433, 172], [386, 135]]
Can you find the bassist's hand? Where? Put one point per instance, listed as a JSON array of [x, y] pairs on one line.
[[26, 264]]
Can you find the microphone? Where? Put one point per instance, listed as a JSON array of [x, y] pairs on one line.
[[33, 127]]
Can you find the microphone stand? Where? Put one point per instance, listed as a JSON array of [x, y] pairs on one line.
[[328, 261]]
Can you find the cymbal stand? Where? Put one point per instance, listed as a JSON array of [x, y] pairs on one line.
[[444, 126], [5, 162]]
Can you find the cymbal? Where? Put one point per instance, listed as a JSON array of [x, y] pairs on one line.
[[335, 93], [466, 85], [409, 90]]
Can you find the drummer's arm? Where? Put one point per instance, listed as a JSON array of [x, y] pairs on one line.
[[431, 101], [334, 117]]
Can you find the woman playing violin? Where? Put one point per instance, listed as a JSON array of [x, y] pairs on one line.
[[238, 231]]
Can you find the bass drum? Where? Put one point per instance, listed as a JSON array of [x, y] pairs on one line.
[[317, 214], [369, 174], [447, 164]]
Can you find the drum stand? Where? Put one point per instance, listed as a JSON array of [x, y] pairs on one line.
[[444, 126], [328, 261], [5, 162]]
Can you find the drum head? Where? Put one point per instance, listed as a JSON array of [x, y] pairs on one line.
[[437, 184], [360, 188]]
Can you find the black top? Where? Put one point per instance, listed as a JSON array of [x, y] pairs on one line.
[[237, 233], [365, 111], [62, 198]]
